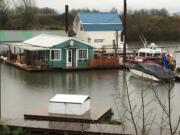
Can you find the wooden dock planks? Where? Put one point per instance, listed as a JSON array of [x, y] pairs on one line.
[[93, 116], [65, 127]]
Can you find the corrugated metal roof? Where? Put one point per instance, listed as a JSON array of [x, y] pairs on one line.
[[31, 48], [103, 27], [65, 98], [45, 40], [21, 35], [99, 17], [48, 41]]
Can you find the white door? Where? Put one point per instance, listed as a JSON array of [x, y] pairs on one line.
[[69, 58]]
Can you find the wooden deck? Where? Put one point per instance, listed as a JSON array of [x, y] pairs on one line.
[[105, 61], [91, 67], [26, 68], [55, 127], [95, 115], [72, 128]]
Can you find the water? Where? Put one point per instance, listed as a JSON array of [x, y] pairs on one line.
[[23, 91]]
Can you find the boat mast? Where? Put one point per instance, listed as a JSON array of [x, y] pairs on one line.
[[125, 31]]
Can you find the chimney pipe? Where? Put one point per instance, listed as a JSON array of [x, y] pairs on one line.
[[66, 19]]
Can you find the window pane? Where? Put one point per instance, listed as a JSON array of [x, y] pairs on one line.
[[82, 54], [52, 54], [55, 54]]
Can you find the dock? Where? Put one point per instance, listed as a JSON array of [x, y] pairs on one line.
[[95, 115], [42, 69], [54, 127]]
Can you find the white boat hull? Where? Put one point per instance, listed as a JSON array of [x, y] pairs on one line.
[[143, 75]]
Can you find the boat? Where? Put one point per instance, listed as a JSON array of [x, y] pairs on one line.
[[151, 71], [151, 53]]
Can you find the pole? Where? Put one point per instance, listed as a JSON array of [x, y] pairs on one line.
[[116, 47], [66, 19], [125, 31], [0, 86]]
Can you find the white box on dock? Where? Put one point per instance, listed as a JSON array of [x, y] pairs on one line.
[[69, 104]]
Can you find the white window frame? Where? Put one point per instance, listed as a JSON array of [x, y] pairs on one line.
[[59, 59], [79, 54]]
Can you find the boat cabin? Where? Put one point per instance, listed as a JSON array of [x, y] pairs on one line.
[[148, 52]]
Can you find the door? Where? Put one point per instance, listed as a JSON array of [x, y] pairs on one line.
[[69, 58]]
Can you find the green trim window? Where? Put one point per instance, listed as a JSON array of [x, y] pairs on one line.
[[83, 54], [55, 54]]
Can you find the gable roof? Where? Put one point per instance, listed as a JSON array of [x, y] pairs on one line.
[[99, 18], [48, 41], [21, 35], [66, 98], [45, 40], [98, 21]]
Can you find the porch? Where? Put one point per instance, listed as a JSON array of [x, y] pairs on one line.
[[28, 57]]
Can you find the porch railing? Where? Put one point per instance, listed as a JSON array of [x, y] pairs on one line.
[[105, 61]]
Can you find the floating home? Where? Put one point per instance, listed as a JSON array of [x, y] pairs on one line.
[[17, 36], [46, 52], [99, 29]]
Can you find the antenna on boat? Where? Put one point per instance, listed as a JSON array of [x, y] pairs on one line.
[[144, 41]]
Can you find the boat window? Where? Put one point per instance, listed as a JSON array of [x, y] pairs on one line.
[[157, 54], [149, 54], [142, 54]]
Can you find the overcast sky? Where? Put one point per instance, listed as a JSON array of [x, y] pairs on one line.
[[105, 5]]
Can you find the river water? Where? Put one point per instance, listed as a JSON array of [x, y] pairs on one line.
[[22, 91]]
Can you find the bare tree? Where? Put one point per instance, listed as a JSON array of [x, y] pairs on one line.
[[167, 109], [26, 10], [4, 13], [138, 115]]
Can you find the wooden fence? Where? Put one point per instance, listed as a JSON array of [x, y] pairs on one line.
[[105, 61]]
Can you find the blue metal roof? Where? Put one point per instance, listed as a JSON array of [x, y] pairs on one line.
[[99, 17], [102, 27]]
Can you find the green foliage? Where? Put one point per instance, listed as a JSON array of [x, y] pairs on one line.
[[154, 24], [20, 131], [4, 14], [5, 130]]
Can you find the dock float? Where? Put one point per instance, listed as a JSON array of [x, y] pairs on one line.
[[54, 127], [39, 69], [95, 115]]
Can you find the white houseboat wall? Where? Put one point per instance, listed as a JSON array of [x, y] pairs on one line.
[[99, 29]]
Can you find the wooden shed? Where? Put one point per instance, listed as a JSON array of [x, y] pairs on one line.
[[69, 104]]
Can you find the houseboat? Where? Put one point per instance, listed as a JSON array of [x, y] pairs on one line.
[[46, 52], [49, 52], [100, 29]]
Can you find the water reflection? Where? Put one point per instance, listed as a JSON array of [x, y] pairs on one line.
[[23, 91], [153, 109]]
